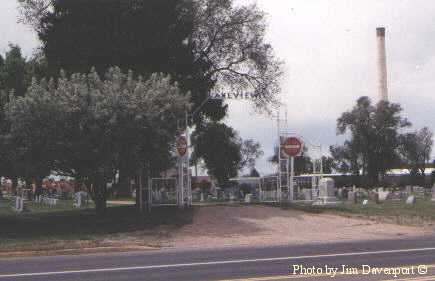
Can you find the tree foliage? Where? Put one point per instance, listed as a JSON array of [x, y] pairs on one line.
[[415, 150], [374, 138], [13, 71], [82, 125], [221, 150], [250, 151], [204, 44]]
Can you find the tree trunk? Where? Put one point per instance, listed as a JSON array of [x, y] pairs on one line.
[[100, 205], [100, 198], [123, 186]]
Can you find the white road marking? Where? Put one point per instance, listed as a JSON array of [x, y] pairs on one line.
[[96, 270]]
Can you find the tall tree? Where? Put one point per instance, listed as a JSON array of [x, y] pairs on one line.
[[12, 83], [13, 71], [327, 164], [205, 44], [221, 150], [250, 151], [374, 135], [91, 122], [415, 150]]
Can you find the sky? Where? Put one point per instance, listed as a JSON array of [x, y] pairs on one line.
[[329, 50]]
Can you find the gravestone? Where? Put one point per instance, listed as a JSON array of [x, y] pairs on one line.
[[202, 197], [308, 195], [80, 199], [340, 193], [411, 200], [248, 198], [351, 197], [326, 192], [383, 195], [232, 197], [374, 196], [433, 192], [19, 204]]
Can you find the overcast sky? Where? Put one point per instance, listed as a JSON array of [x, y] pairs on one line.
[[329, 48]]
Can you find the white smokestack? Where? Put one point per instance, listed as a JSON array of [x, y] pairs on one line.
[[382, 64]]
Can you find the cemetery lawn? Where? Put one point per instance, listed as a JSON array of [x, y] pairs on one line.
[[398, 212], [42, 229]]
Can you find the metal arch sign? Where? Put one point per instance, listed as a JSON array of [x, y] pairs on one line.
[[292, 146], [182, 146]]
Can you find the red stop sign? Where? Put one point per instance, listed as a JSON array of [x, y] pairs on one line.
[[182, 146], [292, 146]]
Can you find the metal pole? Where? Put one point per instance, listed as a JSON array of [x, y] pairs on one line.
[[292, 174], [187, 161]]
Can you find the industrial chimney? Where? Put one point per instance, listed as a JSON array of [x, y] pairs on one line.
[[382, 64]]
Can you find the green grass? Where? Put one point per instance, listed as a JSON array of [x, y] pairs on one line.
[[394, 211], [41, 226]]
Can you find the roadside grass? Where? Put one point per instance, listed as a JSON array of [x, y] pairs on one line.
[[419, 214], [62, 227]]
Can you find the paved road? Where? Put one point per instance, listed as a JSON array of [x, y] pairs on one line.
[[244, 263]]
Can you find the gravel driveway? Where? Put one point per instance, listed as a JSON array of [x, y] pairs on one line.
[[264, 225]]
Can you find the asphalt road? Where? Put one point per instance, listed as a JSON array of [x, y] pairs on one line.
[[416, 257]]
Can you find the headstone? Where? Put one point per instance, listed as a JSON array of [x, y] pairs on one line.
[[411, 200], [351, 196], [326, 188], [433, 192], [19, 204], [78, 200], [308, 195], [232, 197], [374, 196], [340, 193], [326, 192], [383, 195], [408, 189], [202, 197], [248, 198]]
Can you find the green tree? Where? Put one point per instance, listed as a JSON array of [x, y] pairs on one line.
[[12, 83], [415, 151], [91, 122], [327, 164], [250, 151], [254, 173], [221, 150], [346, 158], [374, 136], [204, 44], [13, 71]]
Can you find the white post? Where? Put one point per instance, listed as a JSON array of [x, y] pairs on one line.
[[180, 183], [188, 187], [292, 174]]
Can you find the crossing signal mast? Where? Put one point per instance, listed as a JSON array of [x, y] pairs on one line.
[[291, 145]]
